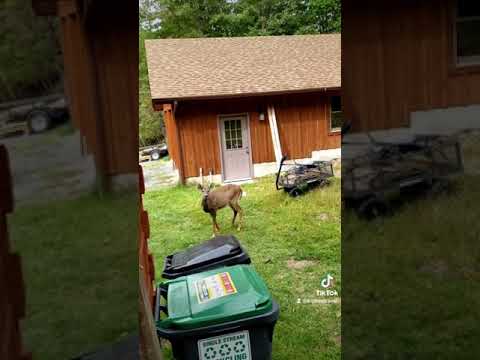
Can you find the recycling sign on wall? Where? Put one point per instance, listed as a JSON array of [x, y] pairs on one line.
[[234, 346]]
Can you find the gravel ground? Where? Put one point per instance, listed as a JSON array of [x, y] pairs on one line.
[[158, 174]]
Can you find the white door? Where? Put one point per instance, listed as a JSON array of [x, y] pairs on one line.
[[235, 140]]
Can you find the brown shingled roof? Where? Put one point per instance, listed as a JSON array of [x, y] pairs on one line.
[[222, 67]]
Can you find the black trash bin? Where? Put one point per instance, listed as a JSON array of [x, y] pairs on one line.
[[213, 253], [221, 314]]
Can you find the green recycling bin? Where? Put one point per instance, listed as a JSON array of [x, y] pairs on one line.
[[222, 314]]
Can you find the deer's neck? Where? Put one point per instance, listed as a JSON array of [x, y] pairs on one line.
[[205, 204]]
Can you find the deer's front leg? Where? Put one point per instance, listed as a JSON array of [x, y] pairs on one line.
[[216, 228]]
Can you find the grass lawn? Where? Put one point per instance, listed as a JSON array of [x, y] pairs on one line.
[[293, 243], [79, 260], [412, 280]]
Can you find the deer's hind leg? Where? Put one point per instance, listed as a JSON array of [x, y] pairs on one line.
[[237, 210]]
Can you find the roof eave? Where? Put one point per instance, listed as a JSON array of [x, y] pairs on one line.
[[159, 101]]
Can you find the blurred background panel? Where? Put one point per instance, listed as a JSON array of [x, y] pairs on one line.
[[410, 250], [69, 123]]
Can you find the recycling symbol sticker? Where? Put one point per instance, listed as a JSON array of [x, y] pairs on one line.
[[232, 346], [225, 350], [239, 347], [210, 353]]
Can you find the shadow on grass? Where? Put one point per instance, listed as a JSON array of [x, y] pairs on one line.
[[80, 265], [412, 280]]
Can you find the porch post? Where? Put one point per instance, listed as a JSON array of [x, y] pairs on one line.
[[174, 141], [277, 146]]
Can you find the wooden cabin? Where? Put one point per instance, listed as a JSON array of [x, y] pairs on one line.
[[411, 64], [233, 106], [101, 80]]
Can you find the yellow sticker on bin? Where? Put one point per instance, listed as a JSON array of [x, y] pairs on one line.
[[214, 287]]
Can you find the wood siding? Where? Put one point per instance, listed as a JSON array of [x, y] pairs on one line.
[[115, 51], [398, 58], [101, 76], [304, 125], [303, 121]]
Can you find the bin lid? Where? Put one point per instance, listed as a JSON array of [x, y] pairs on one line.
[[219, 251], [215, 296]]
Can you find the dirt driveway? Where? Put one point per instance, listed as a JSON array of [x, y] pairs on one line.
[[49, 166]]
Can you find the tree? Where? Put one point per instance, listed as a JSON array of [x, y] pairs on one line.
[[30, 55], [149, 15], [150, 122], [207, 18], [191, 18]]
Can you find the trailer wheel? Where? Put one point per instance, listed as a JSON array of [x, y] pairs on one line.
[[38, 121], [439, 187], [324, 182], [295, 192], [155, 155], [372, 208]]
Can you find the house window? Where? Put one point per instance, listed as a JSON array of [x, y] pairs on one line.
[[467, 25], [336, 116]]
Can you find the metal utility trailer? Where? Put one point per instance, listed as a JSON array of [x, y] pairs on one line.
[[33, 115], [389, 172], [299, 178], [152, 153]]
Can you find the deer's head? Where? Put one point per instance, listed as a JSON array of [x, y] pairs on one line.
[[205, 189]]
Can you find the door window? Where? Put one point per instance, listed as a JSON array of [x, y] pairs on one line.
[[233, 134]]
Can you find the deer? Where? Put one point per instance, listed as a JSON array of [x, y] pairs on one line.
[[214, 199]]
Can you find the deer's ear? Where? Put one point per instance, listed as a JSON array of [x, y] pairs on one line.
[[199, 187], [210, 187]]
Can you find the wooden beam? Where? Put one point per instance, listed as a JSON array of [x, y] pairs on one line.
[[12, 286], [6, 194], [174, 139]]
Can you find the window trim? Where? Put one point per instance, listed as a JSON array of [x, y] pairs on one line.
[[461, 66], [337, 130]]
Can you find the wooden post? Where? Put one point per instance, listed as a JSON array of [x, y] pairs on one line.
[[81, 81], [12, 294], [150, 348], [174, 140], [277, 146]]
